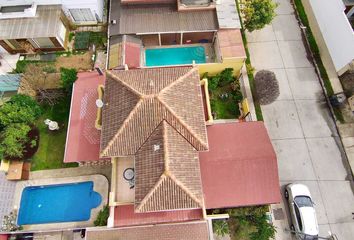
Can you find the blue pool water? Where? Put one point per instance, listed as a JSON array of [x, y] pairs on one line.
[[58, 203], [174, 56]]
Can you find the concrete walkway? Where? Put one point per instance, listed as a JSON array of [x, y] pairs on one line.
[[7, 191], [302, 130]]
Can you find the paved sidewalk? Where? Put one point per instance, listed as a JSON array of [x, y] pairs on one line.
[[7, 191], [300, 125]]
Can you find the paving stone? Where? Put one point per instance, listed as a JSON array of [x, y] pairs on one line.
[[286, 28], [281, 120], [315, 119], [327, 158], [265, 55], [294, 160], [304, 84], [294, 54]]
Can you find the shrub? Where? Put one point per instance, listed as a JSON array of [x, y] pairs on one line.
[[22, 65], [67, 77], [221, 228], [226, 76], [250, 223], [257, 13], [266, 87], [20, 109], [82, 40], [102, 217], [13, 140]]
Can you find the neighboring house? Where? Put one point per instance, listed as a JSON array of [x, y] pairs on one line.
[[333, 33], [80, 12], [159, 33], [9, 84], [45, 31], [29, 26], [168, 165]]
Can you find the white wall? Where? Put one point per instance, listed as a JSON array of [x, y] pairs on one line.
[[96, 6], [336, 31]]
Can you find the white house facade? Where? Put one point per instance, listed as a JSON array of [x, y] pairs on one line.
[[80, 12]]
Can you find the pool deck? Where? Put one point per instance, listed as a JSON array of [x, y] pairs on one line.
[[100, 185]]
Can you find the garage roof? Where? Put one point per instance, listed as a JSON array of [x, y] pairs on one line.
[[240, 168]]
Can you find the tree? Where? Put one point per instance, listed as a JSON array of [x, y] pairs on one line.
[[13, 140], [34, 83], [68, 76], [20, 109], [266, 87], [257, 13]]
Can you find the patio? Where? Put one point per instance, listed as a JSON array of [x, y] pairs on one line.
[[122, 189]]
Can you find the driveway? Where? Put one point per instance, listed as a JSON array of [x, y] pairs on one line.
[[301, 128]]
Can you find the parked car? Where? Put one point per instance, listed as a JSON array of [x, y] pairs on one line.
[[302, 211]]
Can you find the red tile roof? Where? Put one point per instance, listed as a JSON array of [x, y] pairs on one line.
[[83, 139], [240, 168], [157, 115], [124, 215], [181, 231]]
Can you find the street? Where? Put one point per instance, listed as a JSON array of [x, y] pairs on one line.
[[301, 128]]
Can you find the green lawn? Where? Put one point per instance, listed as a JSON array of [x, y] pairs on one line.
[[226, 108], [52, 144]]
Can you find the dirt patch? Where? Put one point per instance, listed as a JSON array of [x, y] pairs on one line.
[[81, 62]]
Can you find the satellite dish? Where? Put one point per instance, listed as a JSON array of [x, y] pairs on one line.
[[99, 103]]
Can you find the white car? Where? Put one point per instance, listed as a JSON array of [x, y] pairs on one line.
[[302, 211]]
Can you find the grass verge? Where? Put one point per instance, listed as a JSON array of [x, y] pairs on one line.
[[316, 55], [224, 108], [51, 149], [249, 68]]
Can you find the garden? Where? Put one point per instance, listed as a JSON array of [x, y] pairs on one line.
[[247, 223], [24, 134], [225, 94]]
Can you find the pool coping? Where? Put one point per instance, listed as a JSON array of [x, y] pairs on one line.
[[100, 185]]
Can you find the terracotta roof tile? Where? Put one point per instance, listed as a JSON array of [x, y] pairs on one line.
[[167, 177], [179, 231], [157, 115], [170, 94]]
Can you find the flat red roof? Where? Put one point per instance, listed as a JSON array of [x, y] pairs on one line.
[[240, 168], [83, 139], [124, 215]]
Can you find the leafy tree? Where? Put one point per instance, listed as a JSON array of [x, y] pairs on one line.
[[68, 76], [257, 13], [20, 109], [102, 217], [221, 228], [13, 140]]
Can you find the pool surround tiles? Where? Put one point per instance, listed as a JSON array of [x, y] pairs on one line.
[[100, 185]]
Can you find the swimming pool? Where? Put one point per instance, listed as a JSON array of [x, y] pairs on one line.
[[174, 56], [70, 202]]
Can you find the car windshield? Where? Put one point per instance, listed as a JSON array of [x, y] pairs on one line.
[[303, 201]]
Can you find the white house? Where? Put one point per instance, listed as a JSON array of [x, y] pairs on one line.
[[336, 36], [80, 12]]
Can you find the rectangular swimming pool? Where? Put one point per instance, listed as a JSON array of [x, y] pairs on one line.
[[70, 202], [174, 56]]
